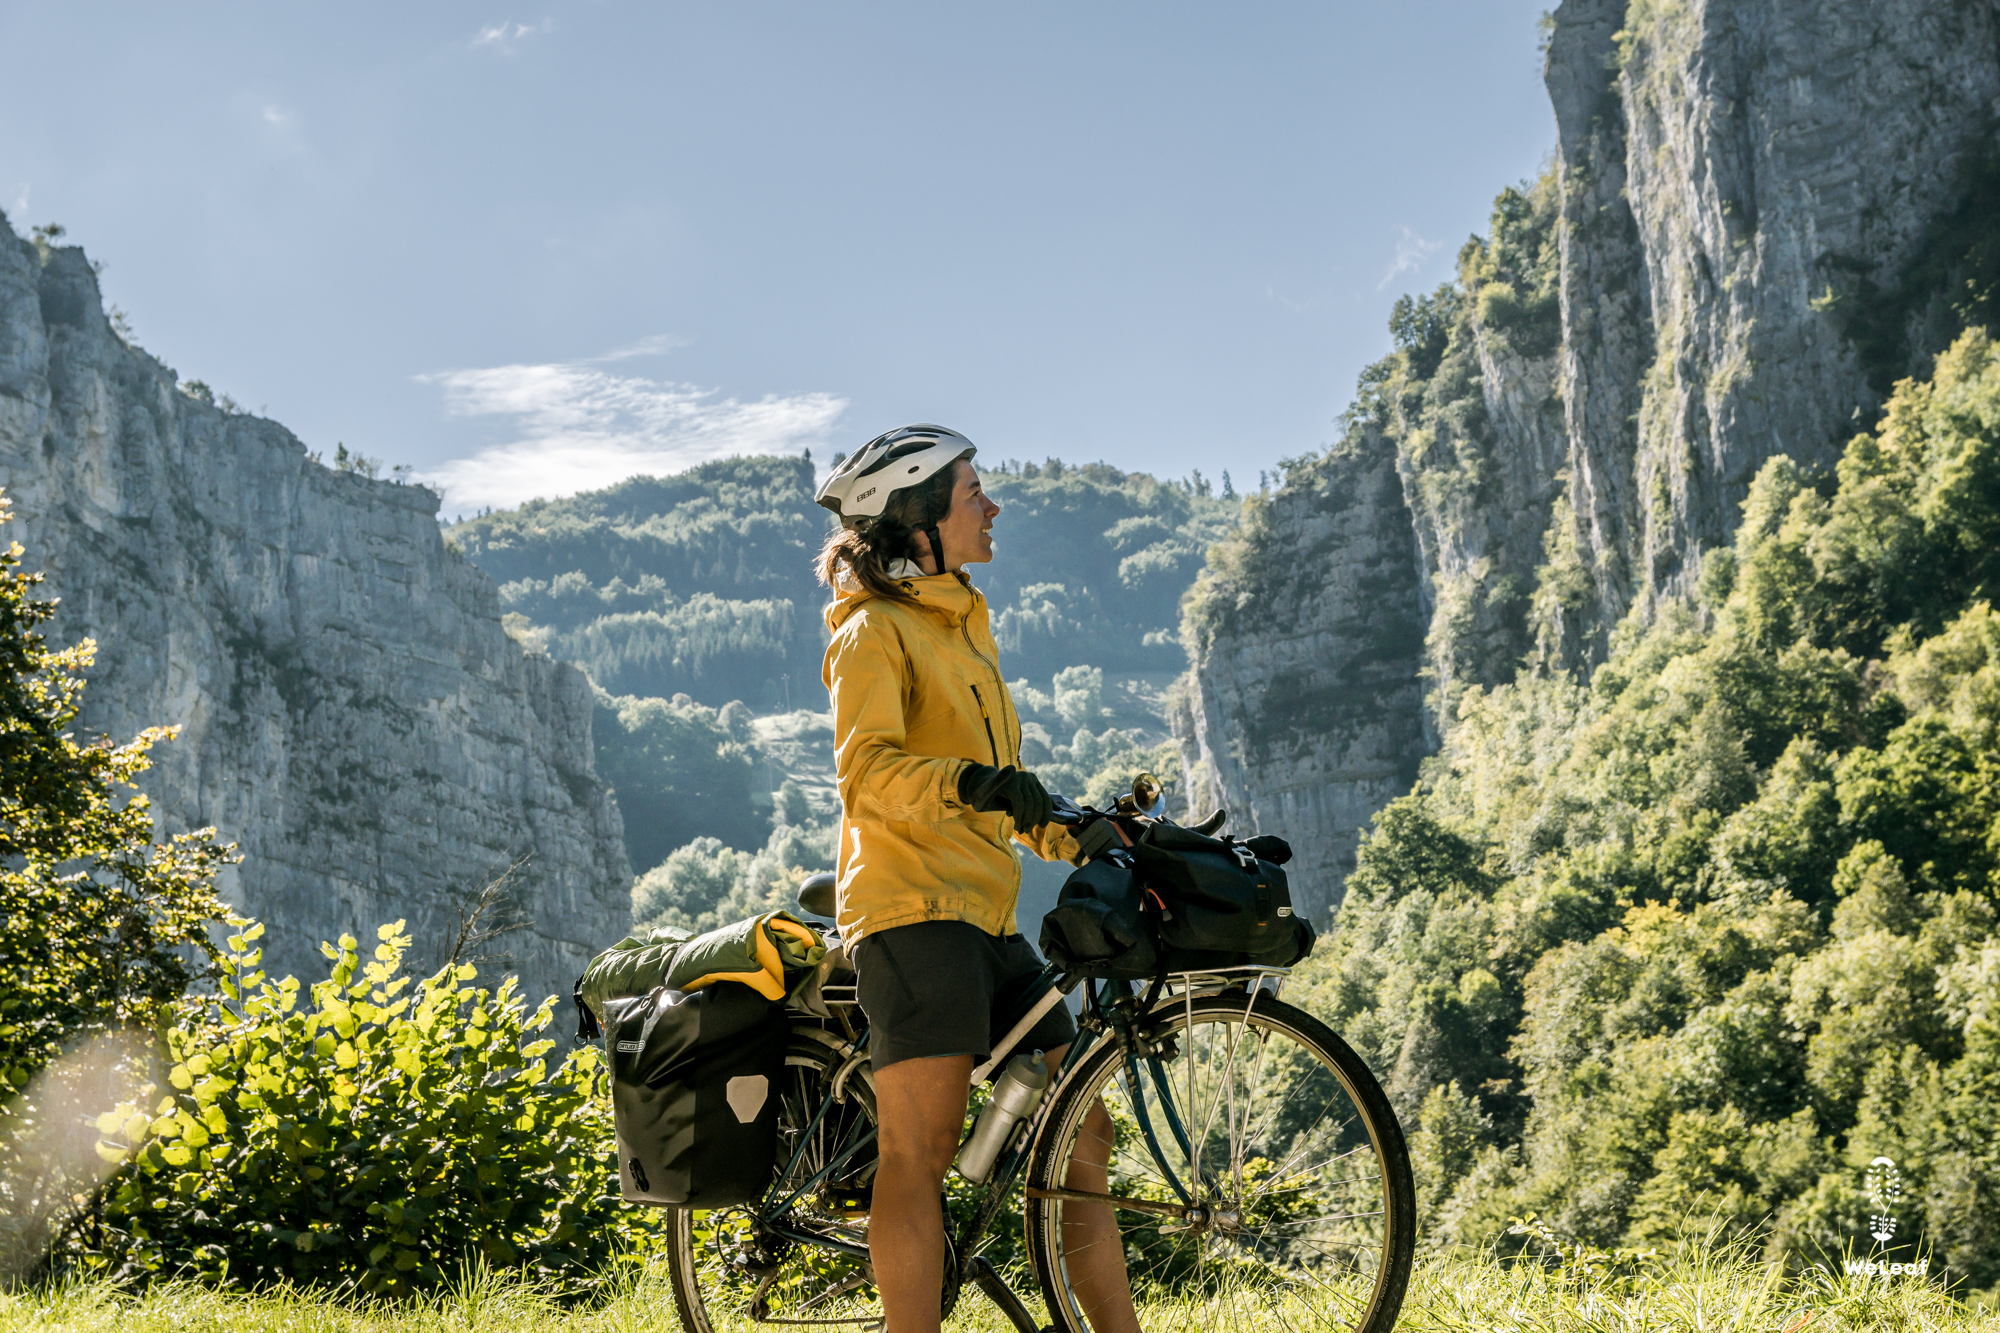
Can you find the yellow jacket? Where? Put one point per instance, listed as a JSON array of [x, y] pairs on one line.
[[917, 695]]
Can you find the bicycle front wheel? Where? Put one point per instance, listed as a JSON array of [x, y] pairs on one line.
[[1280, 1186]]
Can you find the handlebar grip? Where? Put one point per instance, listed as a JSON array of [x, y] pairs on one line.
[[1063, 810]]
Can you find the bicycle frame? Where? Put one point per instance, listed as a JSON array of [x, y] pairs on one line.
[[1114, 1017]]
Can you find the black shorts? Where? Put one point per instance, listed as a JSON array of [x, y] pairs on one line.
[[949, 988]]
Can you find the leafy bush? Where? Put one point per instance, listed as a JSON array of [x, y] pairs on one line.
[[1700, 939], [363, 1137], [101, 927]]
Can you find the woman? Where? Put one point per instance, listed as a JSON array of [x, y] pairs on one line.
[[927, 751]]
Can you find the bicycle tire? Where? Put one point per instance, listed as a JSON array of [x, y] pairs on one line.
[[1344, 1270], [711, 1294]]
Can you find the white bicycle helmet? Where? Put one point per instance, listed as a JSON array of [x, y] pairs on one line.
[[896, 460]]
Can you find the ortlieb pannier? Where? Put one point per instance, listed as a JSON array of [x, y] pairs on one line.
[[694, 1093], [1177, 901]]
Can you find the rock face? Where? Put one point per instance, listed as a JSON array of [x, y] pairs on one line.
[[1303, 713], [1761, 213], [352, 713], [1790, 165]]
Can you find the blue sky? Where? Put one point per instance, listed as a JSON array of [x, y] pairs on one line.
[[533, 250]]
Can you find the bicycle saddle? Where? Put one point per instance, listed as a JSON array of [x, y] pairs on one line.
[[1207, 827], [816, 896]]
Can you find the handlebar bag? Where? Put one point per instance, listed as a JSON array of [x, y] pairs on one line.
[[1219, 901], [1099, 926], [695, 1078]]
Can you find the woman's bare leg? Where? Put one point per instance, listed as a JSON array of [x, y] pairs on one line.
[[920, 1105], [1092, 1247]]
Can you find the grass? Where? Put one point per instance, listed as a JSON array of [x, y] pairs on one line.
[[1696, 1291]]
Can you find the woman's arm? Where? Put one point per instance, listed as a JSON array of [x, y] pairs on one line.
[[1051, 842], [867, 676]]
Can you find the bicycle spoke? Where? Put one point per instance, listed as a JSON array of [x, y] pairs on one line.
[[1249, 1100], [1289, 1171], [1310, 1221]]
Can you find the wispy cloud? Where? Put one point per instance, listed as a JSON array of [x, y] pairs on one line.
[[654, 344], [276, 123], [1411, 252], [582, 428], [1271, 293], [508, 35]]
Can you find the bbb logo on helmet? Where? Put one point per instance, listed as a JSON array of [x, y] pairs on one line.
[[865, 494]]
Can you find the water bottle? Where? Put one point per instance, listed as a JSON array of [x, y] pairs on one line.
[[1016, 1093]]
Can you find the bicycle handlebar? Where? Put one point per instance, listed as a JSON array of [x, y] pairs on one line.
[[816, 893]]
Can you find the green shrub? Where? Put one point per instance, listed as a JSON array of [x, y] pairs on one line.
[[101, 926], [362, 1136]]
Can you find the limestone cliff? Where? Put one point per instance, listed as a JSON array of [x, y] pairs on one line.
[[1760, 213], [353, 714], [1760, 199], [1303, 712]]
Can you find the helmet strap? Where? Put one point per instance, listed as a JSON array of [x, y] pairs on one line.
[[937, 544]]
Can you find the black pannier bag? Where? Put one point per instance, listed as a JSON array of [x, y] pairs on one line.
[[1099, 927], [1221, 897], [694, 1092]]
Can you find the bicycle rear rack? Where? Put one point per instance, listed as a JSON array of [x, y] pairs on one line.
[[1209, 980]]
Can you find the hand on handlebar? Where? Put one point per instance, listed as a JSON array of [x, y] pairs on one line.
[[1016, 791]]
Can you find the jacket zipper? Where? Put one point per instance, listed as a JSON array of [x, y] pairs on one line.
[[990, 744], [965, 628]]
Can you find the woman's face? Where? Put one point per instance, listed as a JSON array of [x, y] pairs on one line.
[[967, 528]]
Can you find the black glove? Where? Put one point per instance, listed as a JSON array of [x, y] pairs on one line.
[[1019, 793]]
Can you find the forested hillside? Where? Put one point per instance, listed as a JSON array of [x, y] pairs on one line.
[[697, 584], [1696, 940], [702, 583], [691, 602]]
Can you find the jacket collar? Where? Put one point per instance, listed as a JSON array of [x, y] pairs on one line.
[[948, 596]]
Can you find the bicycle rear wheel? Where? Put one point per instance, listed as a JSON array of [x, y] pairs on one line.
[[729, 1269], [1299, 1204]]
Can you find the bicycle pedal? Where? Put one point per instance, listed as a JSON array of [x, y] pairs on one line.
[[847, 1201]]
